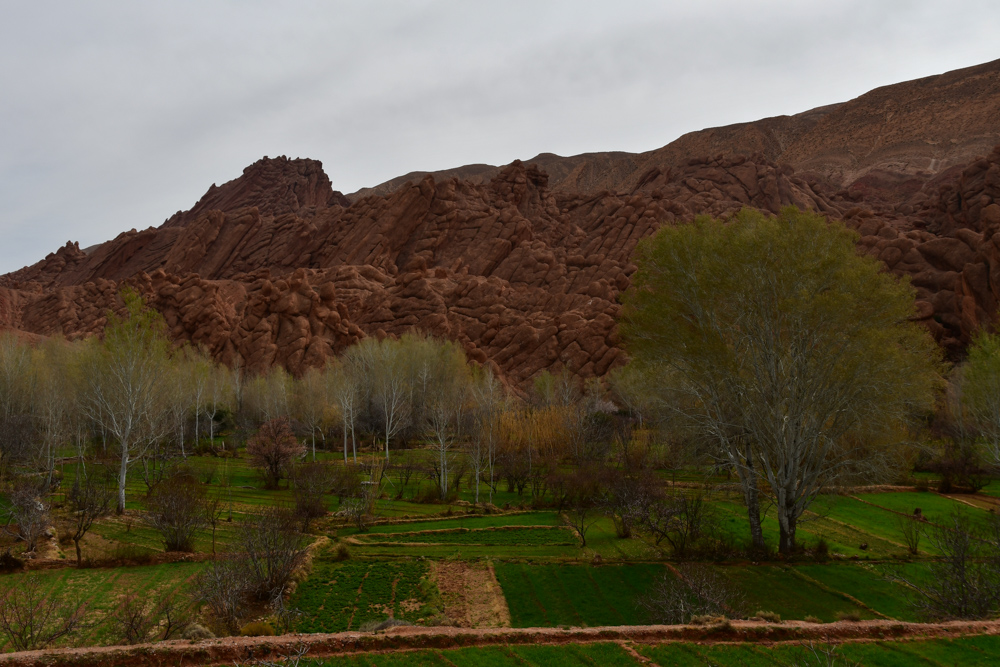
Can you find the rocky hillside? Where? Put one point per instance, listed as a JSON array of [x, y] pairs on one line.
[[524, 264], [887, 143]]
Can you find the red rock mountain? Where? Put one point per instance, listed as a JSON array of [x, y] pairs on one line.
[[524, 264]]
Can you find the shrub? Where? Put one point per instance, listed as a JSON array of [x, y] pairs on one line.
[[9, 562], [812, 619], [375, 626], [848, 616], [176, 509], [341, 553], [257, 629], [769, 616], [822, 550]]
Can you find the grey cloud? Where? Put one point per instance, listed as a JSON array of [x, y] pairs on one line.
[[116, 114]]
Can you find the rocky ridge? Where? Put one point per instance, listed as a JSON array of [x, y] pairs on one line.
[[277, 267]]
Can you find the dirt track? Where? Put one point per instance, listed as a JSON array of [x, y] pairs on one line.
[[233, 650]]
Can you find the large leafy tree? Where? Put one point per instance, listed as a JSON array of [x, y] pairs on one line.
[[775, 340]]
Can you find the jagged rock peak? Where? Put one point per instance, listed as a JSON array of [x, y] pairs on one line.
[[274, 185]]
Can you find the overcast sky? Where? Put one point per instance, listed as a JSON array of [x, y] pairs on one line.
[[114, 115]]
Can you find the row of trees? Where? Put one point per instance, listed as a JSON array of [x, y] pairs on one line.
[[133, 398], [766, 346]]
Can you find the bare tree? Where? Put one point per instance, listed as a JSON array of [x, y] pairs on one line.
[[698, 591], [677, 517], [124, 390], [88, 501], [582, 494], [489, 401], [176, 510], [199, 368], [965, 582], [390, 390], [223, 586], [220, 394], [312, 480], [54, 397], [29, 513], [912, 529], [273, 450], [311, 403], [135, 616], [17, 388], [446, 398], [213, 510], [272, 549], [344, 388], [33, 618]]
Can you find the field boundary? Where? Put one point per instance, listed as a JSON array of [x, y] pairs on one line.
[[239, 649]]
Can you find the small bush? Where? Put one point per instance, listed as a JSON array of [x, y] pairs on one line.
[[848, 616], [341, 553], [769, 616], [121, 556], [257, 629], [9, 562], [375, 626], [822, 550], [812, 619], [196, 631]]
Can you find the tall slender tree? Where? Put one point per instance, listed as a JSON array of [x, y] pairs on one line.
[[124, 392]]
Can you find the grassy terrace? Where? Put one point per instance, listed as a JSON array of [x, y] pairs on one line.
[[544, 576], [968, 651]]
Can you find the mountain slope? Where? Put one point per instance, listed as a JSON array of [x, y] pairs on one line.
[[523, 264]]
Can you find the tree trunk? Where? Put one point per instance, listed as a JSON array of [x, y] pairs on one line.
[[345, 444], [79, 560], [751, 496], [786, 527], [122, 479]]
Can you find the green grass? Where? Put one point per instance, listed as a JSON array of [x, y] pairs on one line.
[[967, 652], [472, 521], [773, 588], [567, 655], [99, 590], [867, 584], [512, 536], [576, 595], [937, 509], [344, 596]]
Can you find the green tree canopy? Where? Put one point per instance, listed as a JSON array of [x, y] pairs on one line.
[[775, 340], [980, 387]]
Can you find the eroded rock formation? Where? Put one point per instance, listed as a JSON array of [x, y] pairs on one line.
[[277, 267]]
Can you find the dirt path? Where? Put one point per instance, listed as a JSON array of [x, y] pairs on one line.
[[239, 649], [471, 594]]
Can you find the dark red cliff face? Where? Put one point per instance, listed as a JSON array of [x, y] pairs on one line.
[[277, 267]]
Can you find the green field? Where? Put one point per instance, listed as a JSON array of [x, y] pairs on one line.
[[99, 590], [980, 651], [576, 595], [508, 536], [344, 596]]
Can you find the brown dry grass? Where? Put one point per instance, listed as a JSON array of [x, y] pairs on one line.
[[471, 593]]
